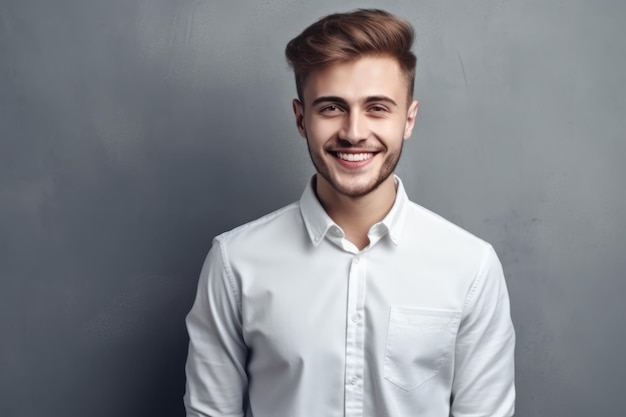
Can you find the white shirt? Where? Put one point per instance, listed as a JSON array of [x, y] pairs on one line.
[[292, 320]]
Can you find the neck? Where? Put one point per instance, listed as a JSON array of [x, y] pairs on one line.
[[356, 215]]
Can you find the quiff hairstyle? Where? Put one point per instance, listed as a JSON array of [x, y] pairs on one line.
[[344, 37]]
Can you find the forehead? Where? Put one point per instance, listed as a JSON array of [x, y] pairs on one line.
[[363, 77]]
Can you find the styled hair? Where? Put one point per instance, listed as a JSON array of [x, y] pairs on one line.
[[344, 37]]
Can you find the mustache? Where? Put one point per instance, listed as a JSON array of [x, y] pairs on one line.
[[340, 147], [365, 145]]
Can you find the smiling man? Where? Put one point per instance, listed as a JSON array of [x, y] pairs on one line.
[[353, 301]]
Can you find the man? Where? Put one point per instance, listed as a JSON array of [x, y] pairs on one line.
[[353, 301]]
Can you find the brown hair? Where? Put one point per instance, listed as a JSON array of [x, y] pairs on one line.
[[343, 37]]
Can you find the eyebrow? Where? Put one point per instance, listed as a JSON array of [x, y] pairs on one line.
[[342, 101]]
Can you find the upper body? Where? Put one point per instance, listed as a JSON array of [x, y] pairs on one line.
[[354, 301], [291, 319]]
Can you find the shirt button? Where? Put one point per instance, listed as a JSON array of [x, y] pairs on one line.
[[356, 317], [357, 259], [354, 380]]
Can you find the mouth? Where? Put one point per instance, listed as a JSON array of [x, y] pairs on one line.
[[354, 157], [353, 160]]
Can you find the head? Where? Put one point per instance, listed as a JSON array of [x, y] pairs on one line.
[[354, 75], [345, 37]]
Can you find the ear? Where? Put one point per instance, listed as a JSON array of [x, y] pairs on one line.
[[410, 119], [298, 111]]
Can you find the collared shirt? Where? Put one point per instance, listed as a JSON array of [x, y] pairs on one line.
[[292, 320]]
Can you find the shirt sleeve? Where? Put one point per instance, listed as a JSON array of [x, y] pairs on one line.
[[484, 376], [216, 377]]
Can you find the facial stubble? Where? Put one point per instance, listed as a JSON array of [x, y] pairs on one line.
[[387, 168]]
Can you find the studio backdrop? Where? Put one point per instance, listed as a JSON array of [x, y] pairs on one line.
[[134, 131]]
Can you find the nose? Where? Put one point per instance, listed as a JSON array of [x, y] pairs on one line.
[[354, 129]]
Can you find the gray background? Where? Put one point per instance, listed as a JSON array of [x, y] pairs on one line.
[[133, 131]]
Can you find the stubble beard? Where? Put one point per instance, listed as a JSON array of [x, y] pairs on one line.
[[388, 167]]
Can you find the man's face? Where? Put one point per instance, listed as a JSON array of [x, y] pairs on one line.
[[355, 117]]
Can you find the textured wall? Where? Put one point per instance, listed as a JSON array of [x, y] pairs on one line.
[[133, 131]]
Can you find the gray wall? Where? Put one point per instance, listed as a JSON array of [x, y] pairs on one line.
[[133, 131]]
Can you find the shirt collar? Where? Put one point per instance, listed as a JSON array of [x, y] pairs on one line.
[[394, 221], [318, 222]]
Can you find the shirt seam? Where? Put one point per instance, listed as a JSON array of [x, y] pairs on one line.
[[225, 237], [478, 280], [229, 273]]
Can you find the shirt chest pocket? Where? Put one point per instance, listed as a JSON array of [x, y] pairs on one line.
[[419, 343]]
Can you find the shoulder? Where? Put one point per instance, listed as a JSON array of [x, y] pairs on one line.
[[458, 253], [278, 223], [439, 227], [446, 241]]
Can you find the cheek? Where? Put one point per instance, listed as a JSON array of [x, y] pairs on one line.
[[390, 133], [321, 132]]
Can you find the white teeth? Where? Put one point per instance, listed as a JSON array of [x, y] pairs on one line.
[[354, 157]]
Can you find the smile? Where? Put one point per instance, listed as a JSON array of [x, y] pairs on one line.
[[354, 157]]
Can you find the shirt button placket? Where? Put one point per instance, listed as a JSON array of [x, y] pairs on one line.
[[354, 343]]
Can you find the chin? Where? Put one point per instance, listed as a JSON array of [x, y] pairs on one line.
[[355, 188]]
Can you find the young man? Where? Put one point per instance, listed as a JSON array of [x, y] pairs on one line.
[[353, 301]]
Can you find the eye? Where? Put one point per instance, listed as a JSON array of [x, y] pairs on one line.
[[330, 109], [376, 108]]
